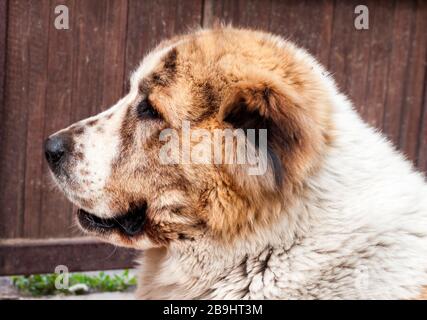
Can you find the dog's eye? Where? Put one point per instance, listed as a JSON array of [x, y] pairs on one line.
[[146, 111]]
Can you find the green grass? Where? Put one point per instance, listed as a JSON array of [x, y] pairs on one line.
[[44, 284]]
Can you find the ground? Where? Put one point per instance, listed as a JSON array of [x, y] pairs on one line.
[[9, 292]]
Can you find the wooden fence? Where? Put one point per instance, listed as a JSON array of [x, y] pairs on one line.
[[50, 78]]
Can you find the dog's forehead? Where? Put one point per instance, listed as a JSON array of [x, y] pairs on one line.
[[151, 62]]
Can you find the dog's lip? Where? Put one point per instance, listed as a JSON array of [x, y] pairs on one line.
[[130, 223], [89, 219]]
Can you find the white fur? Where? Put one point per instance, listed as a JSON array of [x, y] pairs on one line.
[[99, 150]]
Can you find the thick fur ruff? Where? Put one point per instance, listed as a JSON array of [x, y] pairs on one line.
[[359, 232]]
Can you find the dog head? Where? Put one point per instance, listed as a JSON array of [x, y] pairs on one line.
[[112, 166]]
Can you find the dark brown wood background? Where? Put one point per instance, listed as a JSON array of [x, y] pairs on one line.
[[50, 78]]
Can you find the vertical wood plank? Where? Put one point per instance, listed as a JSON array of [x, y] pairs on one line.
[[254, 14], [89, 68], [37, 74], [307, 23], [3, 45], [149, 22], [324, 27], [207, 13], [188, 16], [414, 84], [55, 209], [240, 13], [381, 27], [3, 51], [224, 11], [422, 139], [350, 50], [401, 39], [358, 58], [14, 120], [114, 52]]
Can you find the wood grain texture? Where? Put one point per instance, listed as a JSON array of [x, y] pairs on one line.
[[414, 83], [89, 69], [20, 256], [251, 13], [422, 139], [3, 53], [55, 210], [115, 50], [399, 53], [313, 32], [35, 107], [381, 27], [14, 120], [350, 53], [149, 22], [3, 46]]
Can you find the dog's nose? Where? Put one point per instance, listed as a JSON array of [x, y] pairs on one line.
[[57, 147]]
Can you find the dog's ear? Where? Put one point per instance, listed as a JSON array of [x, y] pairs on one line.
[[262, 101], [295, 138]]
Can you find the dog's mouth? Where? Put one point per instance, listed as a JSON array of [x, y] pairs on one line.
[[130, 223]]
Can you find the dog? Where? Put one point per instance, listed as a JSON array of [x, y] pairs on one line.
[[338, 212]]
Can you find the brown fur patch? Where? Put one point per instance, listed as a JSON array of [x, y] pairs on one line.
[[92, 122], [78, 130], [166, 75], [423, 295], [127, 131], [79, 155], [86, 203]]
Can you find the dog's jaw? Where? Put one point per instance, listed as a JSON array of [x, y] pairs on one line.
[[129, 224]]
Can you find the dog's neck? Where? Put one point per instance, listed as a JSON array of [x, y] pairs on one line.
[[190, 269]]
